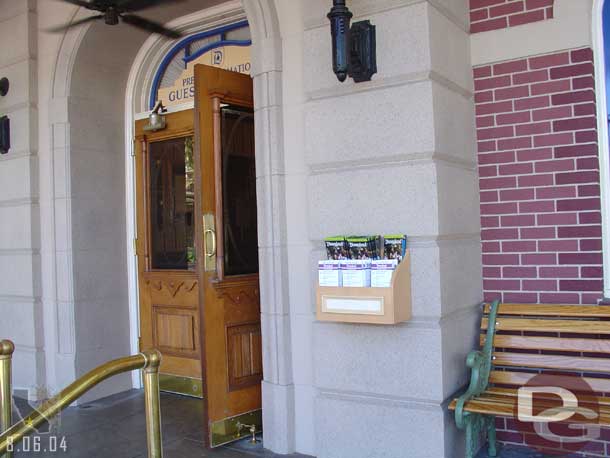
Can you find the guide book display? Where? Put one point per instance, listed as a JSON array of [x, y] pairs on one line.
[[366, 279]]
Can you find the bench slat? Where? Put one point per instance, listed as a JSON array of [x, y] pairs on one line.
[[541, 403], [495, 391], [549, 325], [570, 363], [550, 343], [570, 330], [601, 385], [590, 311]]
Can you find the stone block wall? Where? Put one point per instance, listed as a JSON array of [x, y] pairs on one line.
[[20, 275], [396, 154]]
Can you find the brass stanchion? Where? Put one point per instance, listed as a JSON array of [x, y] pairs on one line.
[[6, 396], [148, 361], [153, 404]]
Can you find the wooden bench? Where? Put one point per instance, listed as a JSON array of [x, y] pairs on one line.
[[520, 341]]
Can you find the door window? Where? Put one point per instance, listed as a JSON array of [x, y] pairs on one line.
[[172, 204], [239, 191]]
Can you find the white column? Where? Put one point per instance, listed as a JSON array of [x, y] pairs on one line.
[[395, 155]]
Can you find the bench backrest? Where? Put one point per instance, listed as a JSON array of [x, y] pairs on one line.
[[561, 339]]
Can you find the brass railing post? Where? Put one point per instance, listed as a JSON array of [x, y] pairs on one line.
[[148, 361], [6, 395], [153, 404]]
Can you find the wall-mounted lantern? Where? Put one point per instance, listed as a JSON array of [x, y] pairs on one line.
[[354, 48], [5, 123], [156, 120]]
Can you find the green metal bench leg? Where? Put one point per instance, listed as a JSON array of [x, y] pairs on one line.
[[471, 439], [478, 428], [491, 436], [480, 364], [476, 425]]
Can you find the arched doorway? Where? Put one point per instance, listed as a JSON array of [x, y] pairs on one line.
[[94, 89]]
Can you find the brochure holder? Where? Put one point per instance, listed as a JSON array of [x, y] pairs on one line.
[[369, 305]]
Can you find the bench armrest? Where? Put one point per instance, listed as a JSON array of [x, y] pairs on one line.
[[480, 363]]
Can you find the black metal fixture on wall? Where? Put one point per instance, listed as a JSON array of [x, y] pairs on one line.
[[354, 48], [5, 123], [5, 134], [4, 86]]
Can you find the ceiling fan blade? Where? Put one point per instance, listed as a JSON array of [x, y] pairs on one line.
[[149, 26], [61, 28], [83, 3], [139, 5]]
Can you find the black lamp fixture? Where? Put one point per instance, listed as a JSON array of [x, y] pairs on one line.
[[3, 86], [354, 48], [5, 124]]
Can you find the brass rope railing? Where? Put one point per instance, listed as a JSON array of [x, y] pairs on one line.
[[148, 362]]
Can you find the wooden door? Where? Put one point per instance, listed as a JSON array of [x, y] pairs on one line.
[[167, 260], [230, 318]]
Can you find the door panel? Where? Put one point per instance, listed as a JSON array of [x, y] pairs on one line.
[[230, 319], [243, 347], [168, 280]]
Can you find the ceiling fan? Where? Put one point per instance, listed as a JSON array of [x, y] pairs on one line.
[[114, 11]]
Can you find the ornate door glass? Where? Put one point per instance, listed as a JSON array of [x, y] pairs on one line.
[[172, 204], [239, 191]]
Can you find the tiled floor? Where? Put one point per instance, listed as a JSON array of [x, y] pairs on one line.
[[521, 452], [115, 427], [506, 452]]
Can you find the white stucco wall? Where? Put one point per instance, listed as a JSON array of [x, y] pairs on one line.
[[392, 155]]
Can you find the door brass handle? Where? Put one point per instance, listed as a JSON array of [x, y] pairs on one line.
[[212, 252], [209, 242]]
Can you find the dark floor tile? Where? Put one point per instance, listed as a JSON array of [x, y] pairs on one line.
[[116, 427], [185, 448], [246, 446], [510, 451], [96, 442]]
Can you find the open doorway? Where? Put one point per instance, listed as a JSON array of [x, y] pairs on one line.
[[102, 95], [197, 250]]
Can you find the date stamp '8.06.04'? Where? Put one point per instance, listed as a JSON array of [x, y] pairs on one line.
[[45, 438], [46, 443]]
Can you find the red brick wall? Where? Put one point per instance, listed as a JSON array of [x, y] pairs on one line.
[[539, 179], [507, 432], [499, 14]]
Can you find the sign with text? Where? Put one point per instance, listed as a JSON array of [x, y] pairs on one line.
[[232, 58]]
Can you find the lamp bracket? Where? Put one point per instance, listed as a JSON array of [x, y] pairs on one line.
[[5, 134], [4, 85], [363, 51]]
